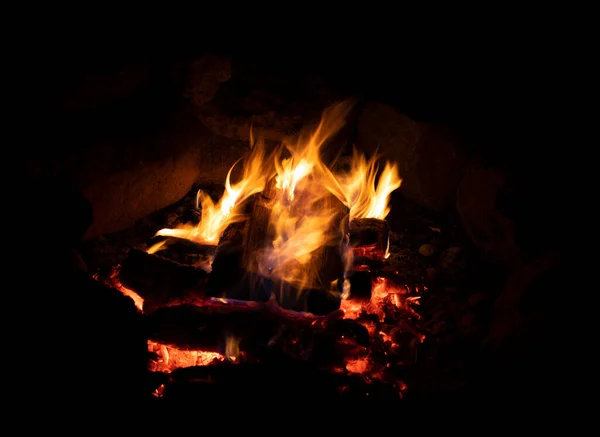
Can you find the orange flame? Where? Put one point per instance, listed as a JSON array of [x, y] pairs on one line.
[[302, 220], [361, 195], [216, 217]]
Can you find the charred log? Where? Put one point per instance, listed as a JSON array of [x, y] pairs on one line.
[[257, 329], [255, 287], [282, 379], [369, 238], [187, 252], [151, 275], [258, 236], [227, 267], [327, 263]]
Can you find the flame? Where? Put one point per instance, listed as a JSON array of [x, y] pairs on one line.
[[364, 198], [302, 218], [216, 217], [232, 348]]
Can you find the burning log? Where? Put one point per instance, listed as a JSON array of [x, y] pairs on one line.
[[369, 239], [185, 251], [279, 378], [255, 329], [227, 267], [258, 288], [326, 262], [152, 276], [257, 237]]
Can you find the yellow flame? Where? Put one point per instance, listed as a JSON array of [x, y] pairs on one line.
[[361, 195], [303, 219], [216, 217], [232, 348], [157, 246]]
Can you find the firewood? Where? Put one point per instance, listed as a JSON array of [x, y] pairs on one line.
[[227, 267], [327, 262], [151, 275], [277, 378], [258, 237], [256, 327], [258, 288], [369, 238], [186, 252]]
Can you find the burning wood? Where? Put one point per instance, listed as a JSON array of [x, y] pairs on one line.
[[282, 238], [227, 267], [369, 238], [255, 328], [279, 378], [186, 252], [158, 280]]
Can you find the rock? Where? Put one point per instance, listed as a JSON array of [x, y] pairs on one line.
[[477, 299], [508, 315], [439, 328], [205, 76], [467, 321], [76, 261], [477, 201], [270, 106], [429, 155], [266, 126], [427, 249], [128, 175], [99, 89], [432, 274], [453, 263]]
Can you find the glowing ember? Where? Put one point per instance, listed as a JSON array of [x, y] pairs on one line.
[[169, 358], [114, 282]]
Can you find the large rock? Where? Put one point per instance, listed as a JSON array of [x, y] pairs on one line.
[[131, 174], [429, 155], [478, 202], [99, 89], [255, 100], [204, 77]]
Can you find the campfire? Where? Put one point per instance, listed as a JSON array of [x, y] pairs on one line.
[[288, 266]]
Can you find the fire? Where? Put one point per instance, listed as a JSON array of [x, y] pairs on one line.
[[311, 207], [216, 217], [114, 282], [169, 358], [382, 293], [358, 188], [302, 220], [365, 198]]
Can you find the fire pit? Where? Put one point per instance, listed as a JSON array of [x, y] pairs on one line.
[[287, 270]]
